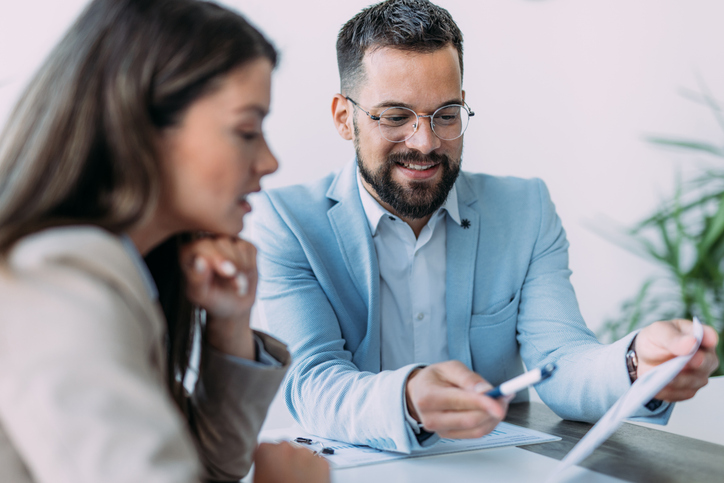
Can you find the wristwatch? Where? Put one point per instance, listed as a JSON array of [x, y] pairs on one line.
[[632, 364], [632, 361]]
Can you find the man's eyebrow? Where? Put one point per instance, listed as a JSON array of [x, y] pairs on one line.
[[386, 104]]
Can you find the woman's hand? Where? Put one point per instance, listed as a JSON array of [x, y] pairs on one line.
[[284, 463], [221, 278]]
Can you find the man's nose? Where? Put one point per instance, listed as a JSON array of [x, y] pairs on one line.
[[424, 140]]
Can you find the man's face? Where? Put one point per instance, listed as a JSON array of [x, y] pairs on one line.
[[412, 178]]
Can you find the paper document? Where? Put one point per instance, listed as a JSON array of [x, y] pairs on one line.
[[505, 434], [640, 393]]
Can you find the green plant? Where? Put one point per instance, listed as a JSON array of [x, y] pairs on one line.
[[685, 237]]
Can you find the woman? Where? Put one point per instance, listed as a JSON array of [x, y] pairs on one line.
[[142, 128]]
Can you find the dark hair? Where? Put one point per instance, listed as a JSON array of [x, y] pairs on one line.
[[414, 25], [79, 148]]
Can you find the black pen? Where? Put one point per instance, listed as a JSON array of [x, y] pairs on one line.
[[308, 441]]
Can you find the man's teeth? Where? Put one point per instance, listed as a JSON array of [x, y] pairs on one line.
[[417, 167]]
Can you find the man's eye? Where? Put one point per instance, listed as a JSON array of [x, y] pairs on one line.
[[446, 120], [395, 120]]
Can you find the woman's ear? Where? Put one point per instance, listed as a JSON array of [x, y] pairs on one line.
[[342, 115]]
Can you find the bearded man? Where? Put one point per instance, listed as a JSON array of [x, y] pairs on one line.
[[406, 287]]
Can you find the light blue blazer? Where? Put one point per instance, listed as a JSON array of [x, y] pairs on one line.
[[509, 301]]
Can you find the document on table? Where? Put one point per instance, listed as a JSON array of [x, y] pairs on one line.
[[640, 393], [505, 434]]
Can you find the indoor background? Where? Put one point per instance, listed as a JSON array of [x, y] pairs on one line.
[[563, 90]]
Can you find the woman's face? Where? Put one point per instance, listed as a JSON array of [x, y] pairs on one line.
[[216, 155]]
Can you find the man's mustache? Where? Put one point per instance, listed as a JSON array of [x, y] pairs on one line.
[[418, 158]]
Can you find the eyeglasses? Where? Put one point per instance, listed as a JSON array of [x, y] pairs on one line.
[[398, 124]]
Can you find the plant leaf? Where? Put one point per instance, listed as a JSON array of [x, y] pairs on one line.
[[688, 144]]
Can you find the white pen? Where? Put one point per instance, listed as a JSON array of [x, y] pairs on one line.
[[528, 379]]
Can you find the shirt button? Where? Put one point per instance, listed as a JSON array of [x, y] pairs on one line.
[[420, 316]]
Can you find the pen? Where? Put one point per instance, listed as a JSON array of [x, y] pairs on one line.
[[300, 440], [530, 378]]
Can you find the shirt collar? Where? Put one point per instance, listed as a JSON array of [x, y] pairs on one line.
[[141, 266], [374, 211]]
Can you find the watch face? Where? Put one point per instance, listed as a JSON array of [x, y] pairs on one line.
[[632, 364], [632, 359]]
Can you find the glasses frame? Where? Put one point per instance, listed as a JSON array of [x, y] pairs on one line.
[[464, 106]]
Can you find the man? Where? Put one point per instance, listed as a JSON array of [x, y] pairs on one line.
[[405, 288]]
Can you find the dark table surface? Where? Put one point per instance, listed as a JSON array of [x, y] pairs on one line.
[[633, 453]]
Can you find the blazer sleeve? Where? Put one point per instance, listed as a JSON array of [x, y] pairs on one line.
[[228, 407], [590, 376], [81, 397], [302, 304]]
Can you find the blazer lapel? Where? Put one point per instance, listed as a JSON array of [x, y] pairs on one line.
[[354, 239], [461, 252]]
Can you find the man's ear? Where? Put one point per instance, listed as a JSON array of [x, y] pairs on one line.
[[342, 115]]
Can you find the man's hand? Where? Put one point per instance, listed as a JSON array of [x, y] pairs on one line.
[[662, 341], [284, 463], [447, 399]]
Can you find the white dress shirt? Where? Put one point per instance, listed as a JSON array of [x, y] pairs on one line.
[[412, 283]]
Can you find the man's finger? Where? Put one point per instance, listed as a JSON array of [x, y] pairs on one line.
[[458, 420], [477, 432], [710, 338], [704, 361], [441, 398], [452, 399], [663, 340], [458, 374]]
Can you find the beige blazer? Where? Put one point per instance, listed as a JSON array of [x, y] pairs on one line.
[[83, 397]]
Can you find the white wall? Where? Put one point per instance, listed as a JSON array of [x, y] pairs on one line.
[[563, 90]]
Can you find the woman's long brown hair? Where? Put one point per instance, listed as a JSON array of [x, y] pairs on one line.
[[79, 147]]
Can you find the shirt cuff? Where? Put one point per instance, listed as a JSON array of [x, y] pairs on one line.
[[263, 356], [414, 425], [421, 434]]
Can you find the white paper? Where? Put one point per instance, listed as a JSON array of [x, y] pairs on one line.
[[505, 434], [640, 393]]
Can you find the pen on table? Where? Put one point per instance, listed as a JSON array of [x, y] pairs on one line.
[[528, 379], [307, 441]]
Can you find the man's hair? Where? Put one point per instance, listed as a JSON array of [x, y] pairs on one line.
[[413, 25]]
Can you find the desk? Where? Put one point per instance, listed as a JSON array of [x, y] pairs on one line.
[[634, 453]]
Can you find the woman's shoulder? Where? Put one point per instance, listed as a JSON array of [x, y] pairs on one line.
[[62, 243], [79, 262], [90, 249]]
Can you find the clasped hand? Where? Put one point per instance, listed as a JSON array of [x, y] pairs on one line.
[[221, 278]]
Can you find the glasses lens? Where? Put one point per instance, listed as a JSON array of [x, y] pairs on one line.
[[450, 122], [397, 123]]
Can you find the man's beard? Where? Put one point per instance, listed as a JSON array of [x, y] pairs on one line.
[[421, 198]]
